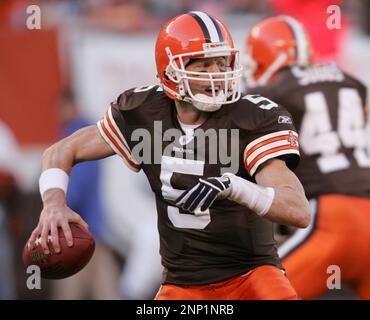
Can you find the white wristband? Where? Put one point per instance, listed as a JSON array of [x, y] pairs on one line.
[[255, 197], [53, 178]]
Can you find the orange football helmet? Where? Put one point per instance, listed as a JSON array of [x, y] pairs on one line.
[[273, 44], [197, 35]]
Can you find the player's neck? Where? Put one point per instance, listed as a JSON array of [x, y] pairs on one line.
[[188, 114]]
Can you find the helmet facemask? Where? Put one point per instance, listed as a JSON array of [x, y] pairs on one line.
[[225, 85], [250, 66]]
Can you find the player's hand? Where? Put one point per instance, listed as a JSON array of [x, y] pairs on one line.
[[201, 195], [55, 214]]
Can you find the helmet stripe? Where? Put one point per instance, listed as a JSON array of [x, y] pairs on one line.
[[210, 29], [301, 40], [220, 35]]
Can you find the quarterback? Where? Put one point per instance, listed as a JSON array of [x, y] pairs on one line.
[[215, 220]]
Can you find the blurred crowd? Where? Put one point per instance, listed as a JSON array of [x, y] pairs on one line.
[[141, 15], [39, 104], [128, 15]]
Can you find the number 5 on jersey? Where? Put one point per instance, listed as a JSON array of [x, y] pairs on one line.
[[170, 165]]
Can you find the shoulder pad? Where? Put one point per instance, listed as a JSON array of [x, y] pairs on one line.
[[135, 97], [252, 110]]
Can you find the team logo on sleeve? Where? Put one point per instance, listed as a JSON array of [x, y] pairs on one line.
[[293, 139]]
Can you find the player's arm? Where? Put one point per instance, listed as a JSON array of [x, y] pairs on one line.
[[289, 205], [278, 195], [83, 145]]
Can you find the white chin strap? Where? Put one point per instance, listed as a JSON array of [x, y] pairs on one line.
[[208, 104]]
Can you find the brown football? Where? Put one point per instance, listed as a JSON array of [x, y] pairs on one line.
[[68, 261]]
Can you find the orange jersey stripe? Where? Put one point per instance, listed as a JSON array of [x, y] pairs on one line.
[[117, 145], [260, 156], [114, 130], [262, 143]]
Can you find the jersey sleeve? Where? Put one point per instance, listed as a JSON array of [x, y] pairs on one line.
[[359, 86], [112, 129], [273, 136]]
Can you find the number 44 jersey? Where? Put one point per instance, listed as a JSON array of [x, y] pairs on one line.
[[228, 239], [328, 108]]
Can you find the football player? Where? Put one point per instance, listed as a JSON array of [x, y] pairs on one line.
[[219, 165], [328, 106]]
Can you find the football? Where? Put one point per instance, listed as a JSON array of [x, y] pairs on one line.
[[68, 261]]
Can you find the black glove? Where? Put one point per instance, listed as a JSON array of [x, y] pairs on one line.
[[203, 193]]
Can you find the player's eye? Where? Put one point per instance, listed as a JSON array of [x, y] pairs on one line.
[[199, 66], [222, 67]]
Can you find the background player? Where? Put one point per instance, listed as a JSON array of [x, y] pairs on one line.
[[215, 233], [328, 106]]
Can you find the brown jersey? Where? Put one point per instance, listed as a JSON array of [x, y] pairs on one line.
[[327, 106], [228, 239]]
